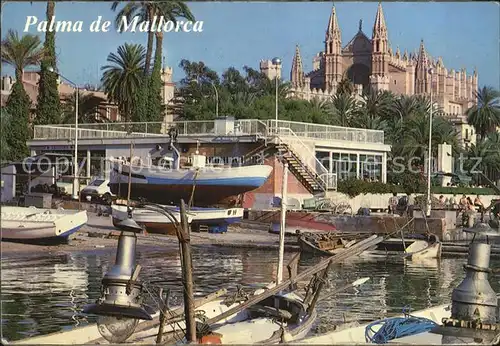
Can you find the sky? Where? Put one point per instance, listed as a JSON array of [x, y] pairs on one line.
[[465, 34]]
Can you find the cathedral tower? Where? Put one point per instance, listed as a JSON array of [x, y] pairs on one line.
[[379, 78], [297, 72], [422, 78], [333, 54]]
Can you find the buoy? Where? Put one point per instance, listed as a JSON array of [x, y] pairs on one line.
[[211, 339]]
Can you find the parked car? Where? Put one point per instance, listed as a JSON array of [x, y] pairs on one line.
[[97, 189]]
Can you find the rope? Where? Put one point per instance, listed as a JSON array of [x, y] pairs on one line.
[[397, 327]]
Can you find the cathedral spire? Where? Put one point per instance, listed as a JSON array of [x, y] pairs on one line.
[[333, 30], [422, 56], [379, 27], [297, 72]]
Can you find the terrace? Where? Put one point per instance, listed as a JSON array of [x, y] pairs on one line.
[[259, 128]]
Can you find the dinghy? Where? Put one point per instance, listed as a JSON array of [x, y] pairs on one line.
[[424, 249], [30, 224]]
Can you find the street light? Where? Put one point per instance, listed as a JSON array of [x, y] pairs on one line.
[[276, 62], [429, 197], [75, 159], [216, 96]]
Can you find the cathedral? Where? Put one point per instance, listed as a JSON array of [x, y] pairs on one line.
[[372, 63]]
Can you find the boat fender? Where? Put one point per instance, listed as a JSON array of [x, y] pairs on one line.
[[211, 339]]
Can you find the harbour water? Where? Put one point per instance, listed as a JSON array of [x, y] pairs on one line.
[[43, 294]]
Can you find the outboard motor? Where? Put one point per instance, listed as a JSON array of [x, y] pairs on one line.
[[475, 307]]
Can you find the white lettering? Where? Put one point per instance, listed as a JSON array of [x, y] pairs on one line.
[[178, 25], [169, 26], [105, 26], [30, 20], [198, 26], [126, 27], [187, 26], [144, 26]]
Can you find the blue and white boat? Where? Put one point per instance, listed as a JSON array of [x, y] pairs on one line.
[[207, 185], [30, 224], [155, 222]]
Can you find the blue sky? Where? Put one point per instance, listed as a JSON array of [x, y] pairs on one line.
[[465, 34]]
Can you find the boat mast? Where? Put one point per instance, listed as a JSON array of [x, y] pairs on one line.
[[284, 188]]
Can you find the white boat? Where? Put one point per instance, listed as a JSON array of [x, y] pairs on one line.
[[34, 224], [155, 222], [207, 185], [424, 249], [245, 327], [356, 334]]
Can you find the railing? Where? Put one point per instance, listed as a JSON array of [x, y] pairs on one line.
[[62, 132], [328, 181], [210, 127], [328, 132]]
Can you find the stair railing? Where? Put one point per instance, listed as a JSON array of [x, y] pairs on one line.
[[328, 181]]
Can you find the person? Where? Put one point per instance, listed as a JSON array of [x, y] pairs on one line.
[[393, 202], [463, 202], [442, 201], [453, 201], [480, 206], [411, 205]]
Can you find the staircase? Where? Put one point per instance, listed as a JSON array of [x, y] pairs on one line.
[[311, 181]]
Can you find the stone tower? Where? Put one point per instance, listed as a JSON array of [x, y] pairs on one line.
[[297, 72], [422, 77], [333, 53], [379, 79]]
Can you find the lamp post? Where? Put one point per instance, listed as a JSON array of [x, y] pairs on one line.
[[276, 64], [429, 168], [216, 96], [75, 158]]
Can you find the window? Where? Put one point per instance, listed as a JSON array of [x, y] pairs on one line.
[[371, 167], [394, 82], [345, 165], [466, 134]]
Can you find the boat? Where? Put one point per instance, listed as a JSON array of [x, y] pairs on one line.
[[151, 221], [257, 324], [424, 249], [201, 184], [30, 224], [326, 244], [155, 222], [473, 317], [354, 333]]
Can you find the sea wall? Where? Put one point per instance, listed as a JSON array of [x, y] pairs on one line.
[[382, 224], [263, 199]]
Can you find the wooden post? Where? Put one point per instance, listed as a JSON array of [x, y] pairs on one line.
[[292, 270], [163, 317], [187, 269], [281, 253], [319, 288], [130, 174]]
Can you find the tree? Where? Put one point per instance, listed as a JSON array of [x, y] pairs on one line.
[[19, 52], [88, 108], [342, 109], [122, 77], [155, 99], [48, 104], [345, 86], [18, 131], [146, 10], [485, 116], [5, 119]]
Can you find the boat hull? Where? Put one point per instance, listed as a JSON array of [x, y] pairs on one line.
[[154, 222], [211, 186], [422, 249], [32, 225]]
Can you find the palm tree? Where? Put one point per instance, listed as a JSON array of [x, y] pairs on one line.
[[485, 116], [484, 156], [416, 135], [122, 78], [342, 109], [21, 52], [146, 10], [88, 108]]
